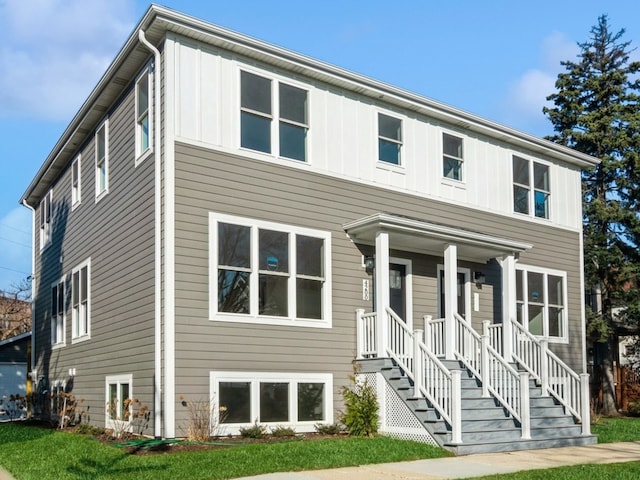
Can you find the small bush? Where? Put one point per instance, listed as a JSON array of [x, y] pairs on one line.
[[280, 431], [329, 428], [361, 408], [88, 429], [633, 410], [254, 431], [203, 423]]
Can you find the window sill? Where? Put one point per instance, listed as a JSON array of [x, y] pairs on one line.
[[81, 339], [143, 156], [57, 346], [45, 246], [75, 205], [263, 320], [392, 167], [101, 195], [533, 217], [555, 340], [454, 183]]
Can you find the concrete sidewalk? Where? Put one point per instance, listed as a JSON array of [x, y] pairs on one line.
[[473, 465]]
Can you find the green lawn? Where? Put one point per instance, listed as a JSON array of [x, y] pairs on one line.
[[29, 452], [623, 429]]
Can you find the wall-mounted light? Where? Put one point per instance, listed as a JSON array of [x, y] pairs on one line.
[[369, 264], [72, 372], [479, 278]]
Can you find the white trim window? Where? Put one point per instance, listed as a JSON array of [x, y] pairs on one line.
[[46, 219], [541, 300], [81, 302], [264, 272], [531, 189], [144, 132], [76, 182], [452, 157], [118, 395], [258, 110], [296, 400], [102, 160], [58, 313], [389, 139]]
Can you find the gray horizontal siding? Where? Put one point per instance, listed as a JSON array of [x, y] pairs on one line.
[[117, 233], [208, 181]]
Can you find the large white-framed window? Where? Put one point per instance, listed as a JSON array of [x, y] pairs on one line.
[[76, 182], [452, 157], [266, 272], [102, 160], [81, 302], [118, 395], [531, 187], [296, 400], [541, 300], [144, 130], [261, 104], [389, 139], [58, 313], [46, 219]]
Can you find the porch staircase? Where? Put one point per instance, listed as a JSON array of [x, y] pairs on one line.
[[486, 425], [480, 402]]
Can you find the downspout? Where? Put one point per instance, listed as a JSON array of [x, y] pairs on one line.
[[157, 390], [30, 375]]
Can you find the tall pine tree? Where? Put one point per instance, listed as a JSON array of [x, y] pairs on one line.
[[597, 111]]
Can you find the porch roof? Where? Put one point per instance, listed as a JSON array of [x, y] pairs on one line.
[[415, 235]]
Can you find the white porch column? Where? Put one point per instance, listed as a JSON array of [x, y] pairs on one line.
[[509, 312], [450, 297], [382, 290]]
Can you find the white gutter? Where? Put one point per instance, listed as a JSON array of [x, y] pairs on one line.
[[157, 388], [33, 291]]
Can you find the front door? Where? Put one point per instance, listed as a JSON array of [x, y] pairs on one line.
[[463, 293], [398, 289]]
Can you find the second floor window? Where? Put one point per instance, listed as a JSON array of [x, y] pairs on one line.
[[143, 134], [57, 314], [389, 139], [530, 188], [76, 186], [257, 114], [46, 219], [452, 159], [102, 160]]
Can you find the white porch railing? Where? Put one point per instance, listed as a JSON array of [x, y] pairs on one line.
[[498, 378], [366, 331], [434, 335], [556, 377]]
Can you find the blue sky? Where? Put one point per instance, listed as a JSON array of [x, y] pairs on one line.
[[495, 58]]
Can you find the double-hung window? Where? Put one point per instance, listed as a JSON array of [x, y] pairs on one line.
[[46, 219], [269, 273], [258, 111], [541, 299], [452, 157], [102, 160], [57, 313], [143, 114], [389, 139], [81, 298], [76, 185], [531, 189], [118, 390]]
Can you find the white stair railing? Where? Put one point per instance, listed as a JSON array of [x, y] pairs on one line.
[[434, 335], [556, 377], [366, 334]]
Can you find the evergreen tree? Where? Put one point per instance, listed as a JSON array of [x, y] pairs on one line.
[[597, 112]]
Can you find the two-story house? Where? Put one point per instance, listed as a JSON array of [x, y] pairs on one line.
[[227, 219]]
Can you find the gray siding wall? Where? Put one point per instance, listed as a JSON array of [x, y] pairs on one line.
[[211, 181], [117, 235]]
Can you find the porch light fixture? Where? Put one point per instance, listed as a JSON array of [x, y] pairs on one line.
[[480, 278], [369, 264]]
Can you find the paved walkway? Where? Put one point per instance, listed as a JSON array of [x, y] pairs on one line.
[[473, 465]]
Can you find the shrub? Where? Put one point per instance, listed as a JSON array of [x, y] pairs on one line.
[[203, 424], [88, 429], [254, 431], [280, 431], [361, 408], [14, 406], [633, 409], [329, 428], [135, 417]]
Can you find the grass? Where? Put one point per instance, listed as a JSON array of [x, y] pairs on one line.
[[622, 429], [612, 471], [29, 452]]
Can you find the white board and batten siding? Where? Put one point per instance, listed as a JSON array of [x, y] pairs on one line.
[[342, 139]]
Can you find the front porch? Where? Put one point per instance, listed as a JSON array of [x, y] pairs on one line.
[[445, 363]]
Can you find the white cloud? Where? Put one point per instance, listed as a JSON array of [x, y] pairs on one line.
[[15, 246], [54, 51]]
